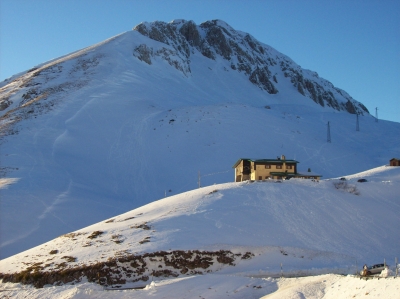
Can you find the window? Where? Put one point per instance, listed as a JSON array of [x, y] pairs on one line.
[[260, 178], [267, 166], [288, 166], [278, 166]]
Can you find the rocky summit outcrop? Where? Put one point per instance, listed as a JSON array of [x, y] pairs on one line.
[[259, 62]]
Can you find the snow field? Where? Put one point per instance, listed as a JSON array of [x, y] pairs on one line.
[[327, 286], [305, 225]]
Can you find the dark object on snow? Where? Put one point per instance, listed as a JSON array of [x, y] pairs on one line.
[[343, 179], [362, 180], [375, 269], [364, 271]]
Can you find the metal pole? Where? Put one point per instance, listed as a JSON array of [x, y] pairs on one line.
[[329, 133], [199, 183]]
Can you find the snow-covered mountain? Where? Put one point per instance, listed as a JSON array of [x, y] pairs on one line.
[[149, 112]]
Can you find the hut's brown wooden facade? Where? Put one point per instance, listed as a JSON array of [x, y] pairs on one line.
[[395, 162]]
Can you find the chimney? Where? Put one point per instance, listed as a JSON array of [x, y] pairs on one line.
[[283, 157]]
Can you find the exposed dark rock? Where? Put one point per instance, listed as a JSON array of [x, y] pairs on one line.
[[261, 77], [350, 107], [245, 54], [216, 39], [300, 89], [4, 104], [144, 53], [363, 107], [247, 255], [252, 43], [191, 34]]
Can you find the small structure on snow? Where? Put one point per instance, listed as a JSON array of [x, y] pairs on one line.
[[394, 162], [264, 169]]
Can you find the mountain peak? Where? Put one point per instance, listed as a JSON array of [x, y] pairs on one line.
[[241, 52]]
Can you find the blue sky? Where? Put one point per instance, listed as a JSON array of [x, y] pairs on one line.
[[354, 44]]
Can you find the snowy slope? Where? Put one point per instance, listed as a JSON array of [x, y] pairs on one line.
[[328, 286], [100, 132], [242, 228]]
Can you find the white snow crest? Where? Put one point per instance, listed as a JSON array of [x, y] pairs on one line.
[[5, 182]]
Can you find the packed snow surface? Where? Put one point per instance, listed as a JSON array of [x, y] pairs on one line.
[[214, 286], [296, 227]]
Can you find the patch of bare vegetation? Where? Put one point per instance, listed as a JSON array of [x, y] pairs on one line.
[[120, 254], [343, 185], [117, 239], [87, 244], [95, 234], [85, 63], [247, 255], [73, 235], [69, 259], [142, 226], [126, 267], [61, 265], [145, 240], [283, 252], [42, 90]]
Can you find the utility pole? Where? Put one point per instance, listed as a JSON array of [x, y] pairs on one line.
[[376, 114], [357, 124], [198, 180], [329, 134]]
